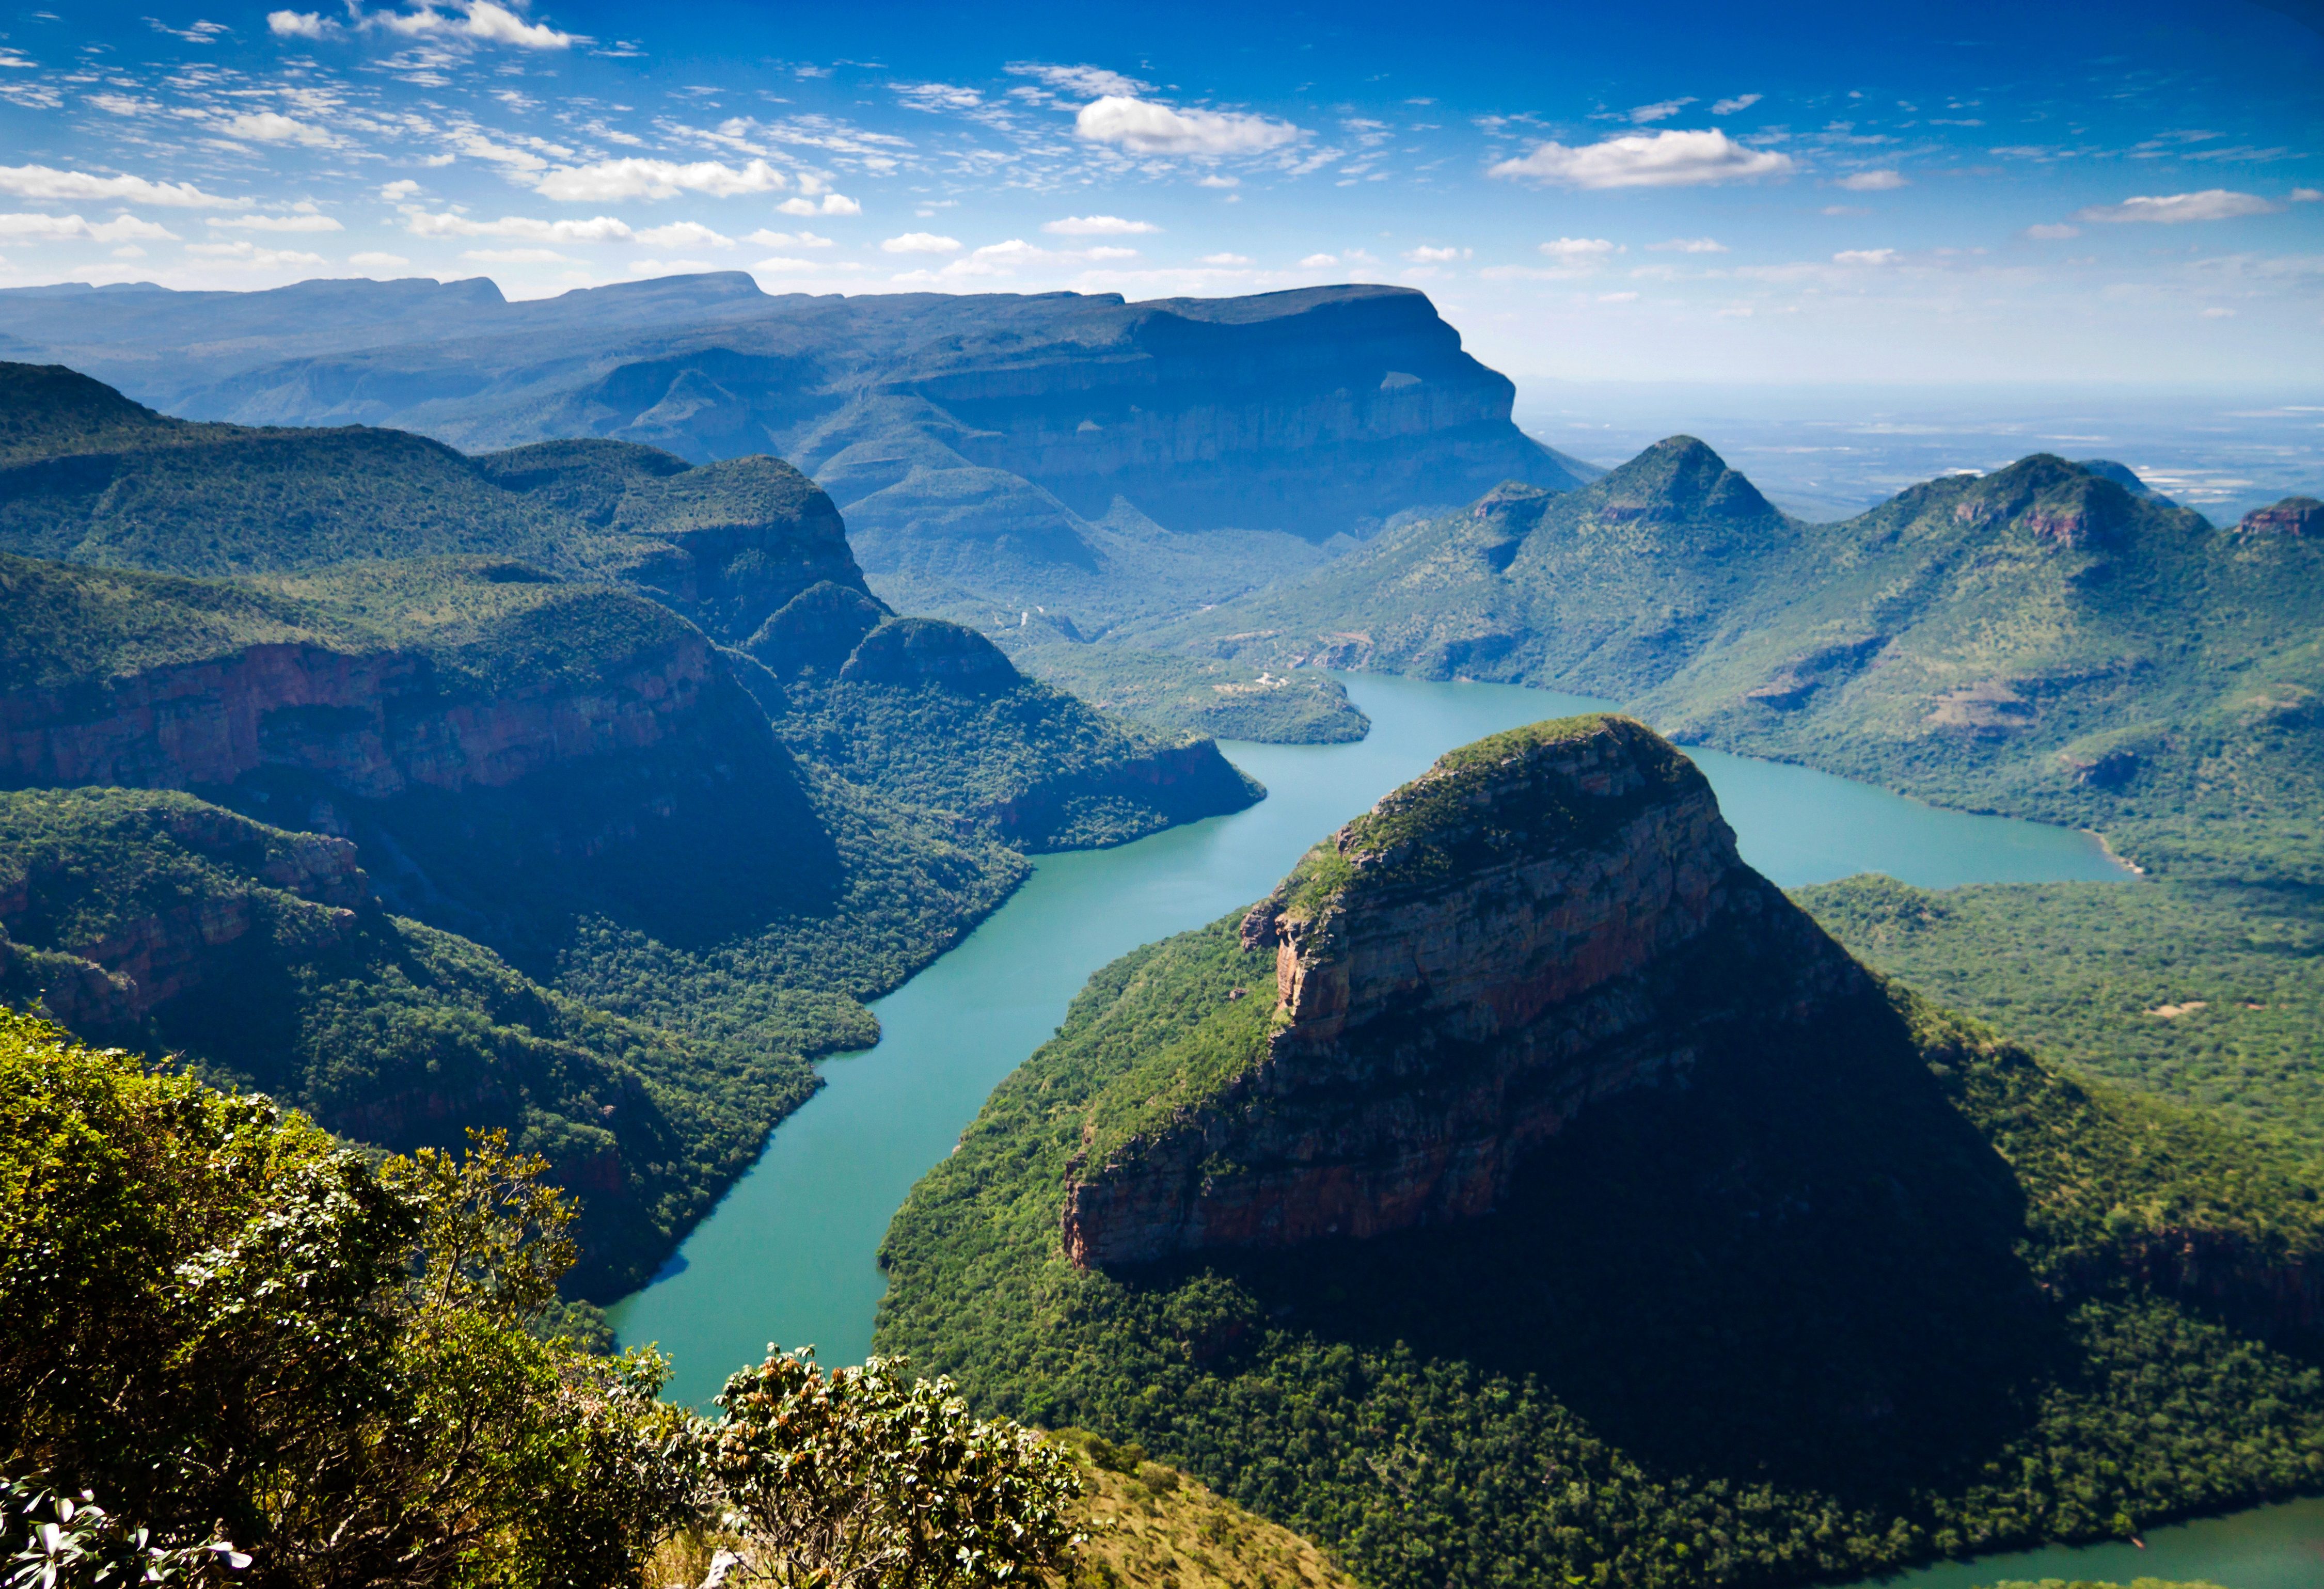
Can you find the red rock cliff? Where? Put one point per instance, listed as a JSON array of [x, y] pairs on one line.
[[1546, 919]]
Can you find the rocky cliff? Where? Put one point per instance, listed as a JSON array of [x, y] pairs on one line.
[[1548, 918]]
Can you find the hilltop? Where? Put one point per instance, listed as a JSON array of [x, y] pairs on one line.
[[1526, 1187], [2040, 640]]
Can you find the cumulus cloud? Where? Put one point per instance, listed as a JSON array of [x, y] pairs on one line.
[[523, 228], [1144, 126], [921, 242], [765, 239], [1426, 255], [2307, 195], [1687, 245], [1319, 261], [830, 204], [1577, 251], [373, 261], [266, 126], [1661, 110], [298, 223], [1099, 226], [1865, 256], [298, 24], [633, 177], [504, 26], [1226, 261], [1873, 183], [1215, 180], [397, 191], [1666, 159], [1080, 82], [684, 234], [1739, 102], [2052, 232], [47, 182], [2212, 204], [37, 228]]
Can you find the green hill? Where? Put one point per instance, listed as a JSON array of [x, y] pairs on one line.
[[1692, 1255], [2038, 640]]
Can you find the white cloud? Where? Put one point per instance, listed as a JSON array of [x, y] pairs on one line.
[[684, 234], [921, 242], [2052, 232], [1099, 226], [277, 223], [266, 126], [1577, 251], [1145, 127], [1426, 255], [765, 239], [1865, 256], [1617, 298], [504, 26], [633, 177], [249, 254], [936, 97], [47, 182], [2213, 203], [36, 228], [1740, 102], [1666, 159], [377, 261], [514, 256], [1081, 82], [2215, 313], [395, 192], [1661, 110], [1215, 180], [1319, 261], [1225, 260], [1873, 183], [1687, 245], [830, 204], [298, 24], [522, 228], [2307, 195]]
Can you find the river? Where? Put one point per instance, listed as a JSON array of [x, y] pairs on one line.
[[786, 1256]]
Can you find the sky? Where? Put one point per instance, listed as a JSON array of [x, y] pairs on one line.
[[2131, 192]]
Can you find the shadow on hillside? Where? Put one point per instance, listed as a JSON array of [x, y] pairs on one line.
[[1796, 1269]]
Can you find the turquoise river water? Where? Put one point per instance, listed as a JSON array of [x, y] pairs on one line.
[[787, 1255]]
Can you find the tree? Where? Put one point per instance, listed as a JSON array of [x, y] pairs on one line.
[[865, 1479]]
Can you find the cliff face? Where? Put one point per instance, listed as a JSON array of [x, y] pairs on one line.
[[1548, 918]]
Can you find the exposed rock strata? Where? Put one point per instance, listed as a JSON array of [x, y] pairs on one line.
[[2293, 516], [1548, 918]]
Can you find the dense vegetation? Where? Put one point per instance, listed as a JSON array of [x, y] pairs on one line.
[[2209, 993], [1820, 1313], [280, 1362], [2038, 640], [1202, 695]]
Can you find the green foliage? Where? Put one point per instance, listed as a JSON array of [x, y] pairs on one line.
[[2094, 1584], [860, 1480], [71, 1540], [216, 1318], [1182, 694], [2208, 993], [1823, 1312]]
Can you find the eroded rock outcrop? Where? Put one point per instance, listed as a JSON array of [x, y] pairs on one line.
[[1546, 918], [2301, 516]]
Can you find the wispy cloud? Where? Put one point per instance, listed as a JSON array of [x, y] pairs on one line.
[[2212, 204], [1882, 181], [605, 181], [1667, 158], [1687, 245], [50, 183], [1099, 226]]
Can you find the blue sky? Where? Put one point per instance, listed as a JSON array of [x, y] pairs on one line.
[[1963, 192]]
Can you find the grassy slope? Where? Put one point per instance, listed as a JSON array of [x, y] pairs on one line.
[[1725, 1397], [1179, 693], [1152, 1527]]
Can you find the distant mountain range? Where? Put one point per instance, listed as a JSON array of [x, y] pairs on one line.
[[989, 453], [2042, 640]]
